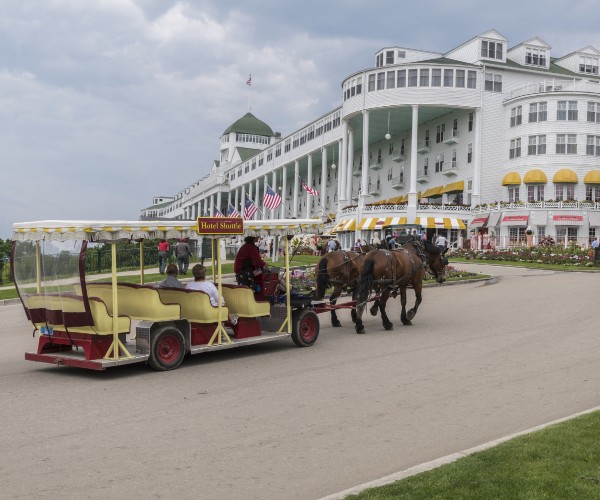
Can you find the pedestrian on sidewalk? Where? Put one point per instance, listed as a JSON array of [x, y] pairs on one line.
[[163, 254], [182, 253]]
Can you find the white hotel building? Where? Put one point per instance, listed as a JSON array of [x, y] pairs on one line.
[[484, 139]]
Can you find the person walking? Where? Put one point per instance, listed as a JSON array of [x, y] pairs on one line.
[[182, 253], [163, 254], [441, 242]]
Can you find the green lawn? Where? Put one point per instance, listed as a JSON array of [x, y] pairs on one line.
[[530, 265], [562, 461]]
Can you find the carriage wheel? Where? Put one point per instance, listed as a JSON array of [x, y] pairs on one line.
[[305, 327], [167, 350]]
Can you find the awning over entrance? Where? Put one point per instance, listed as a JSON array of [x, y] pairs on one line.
[[535, 176], [454, 187], [511, 179], [479, 221], [440, 222], [565, 176], [592, 177], [567, 219], [433, 192], [511, 219], [345, 225], [494, 218], [374, 223]]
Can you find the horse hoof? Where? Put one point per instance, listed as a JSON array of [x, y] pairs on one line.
[[410, 314], [373, 311], [361, 331], [389, 327], [407, 323], [336, 324]]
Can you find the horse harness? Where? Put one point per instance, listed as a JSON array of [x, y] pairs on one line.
[[346, 264], [394, 282]]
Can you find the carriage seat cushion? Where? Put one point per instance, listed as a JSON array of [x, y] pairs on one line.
[[241, 302], [136, 301], [195, 305]]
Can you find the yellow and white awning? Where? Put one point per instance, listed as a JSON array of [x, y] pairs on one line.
[[440, 222], [433, 192], [344, 225], [374, 223]]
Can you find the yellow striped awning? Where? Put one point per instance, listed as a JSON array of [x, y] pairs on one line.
[[395, 201], [454, 187], [511, 179], [535, 176], [344, 225], [440, 222], [565, 176], [433, 192], [373, 223], [592, 177]]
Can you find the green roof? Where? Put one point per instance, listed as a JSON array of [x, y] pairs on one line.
[[246, 153], [249, 124], [554, 69], [159, 205], [445, 60]]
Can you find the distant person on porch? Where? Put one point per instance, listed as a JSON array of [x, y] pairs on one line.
[[441, 242]]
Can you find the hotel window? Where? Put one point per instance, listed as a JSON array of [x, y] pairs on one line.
[[278, 150], [592, 192], [439, 162], [269, 155], [513, 194], [296, 141], [390, 174], [427, 138], [371, 83], [515, 148], [425, 166], [460, 77], [401, 54], [493, 82], [436, 77], [454, 159], [470, 122], [491, 50], [471, 79], [516, 116], [246, 168], [538, 112], [588, 65], [566, 110], [412, 77], [566, 144], [564, 192], [593, 145], [535, 57], [448, 77], [593, 112], [254, 164], [402, 151], [424, 78], [535, 192], [380, 81], [379, 61], [261, 160], [439, 135], [391, 80], [469, 153], [389, 57], [401, 78], [537, 145], [287, 145]]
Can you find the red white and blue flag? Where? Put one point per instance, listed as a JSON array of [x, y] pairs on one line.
[[218, 213], [232, 212], [311, 191], [249, 208], [271, 198], [249, 81]]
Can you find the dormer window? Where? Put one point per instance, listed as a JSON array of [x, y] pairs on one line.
[[588, 65], [535, 57], [379, 61], [389, 57], [491, 50]]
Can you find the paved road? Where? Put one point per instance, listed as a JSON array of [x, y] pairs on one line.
[[273, 421]]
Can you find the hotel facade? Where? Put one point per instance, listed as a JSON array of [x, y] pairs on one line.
[[479, 143]]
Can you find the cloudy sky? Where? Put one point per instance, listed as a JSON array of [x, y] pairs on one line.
[[106, 103]]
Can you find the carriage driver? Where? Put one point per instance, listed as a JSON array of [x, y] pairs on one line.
[[248, 265]]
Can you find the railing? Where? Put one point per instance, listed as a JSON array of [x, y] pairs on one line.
[[520, 205], [449, 166], [553, 85]]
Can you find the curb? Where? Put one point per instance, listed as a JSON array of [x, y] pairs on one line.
[[433, 464], [9, 302]]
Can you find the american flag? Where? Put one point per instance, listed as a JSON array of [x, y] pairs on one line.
[[218, 213], [249, 81], [308, 189], [249, 208], [232, 212], [271, 199]]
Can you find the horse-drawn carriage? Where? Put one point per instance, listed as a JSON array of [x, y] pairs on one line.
[[96, 325]]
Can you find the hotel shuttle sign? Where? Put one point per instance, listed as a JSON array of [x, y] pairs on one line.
[[220, 225]]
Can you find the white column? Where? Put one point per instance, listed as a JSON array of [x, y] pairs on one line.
[[296, 183], [237, 200], [476, 194], [411, 210], [249, 192], [219, 199], [204, 207], [274, 187], [364, 180], [283, 193], [211, 210], [343, 166], [349, 175], [309, 198], [258, 200], [341, 202], [324, 180]]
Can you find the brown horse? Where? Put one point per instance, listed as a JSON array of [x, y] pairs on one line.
[[390, 271], [340, 269]]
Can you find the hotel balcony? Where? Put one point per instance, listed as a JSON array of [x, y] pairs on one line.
[[357, 172], [423, 175], [397, 182], [450, 168], [423, 147], [397, 155], [375, 165], [375, 189], [452, 137]]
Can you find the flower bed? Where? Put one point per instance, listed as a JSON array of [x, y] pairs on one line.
[[574, 256]]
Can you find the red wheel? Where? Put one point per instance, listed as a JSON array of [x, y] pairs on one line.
[[168, 348], [305, 327]]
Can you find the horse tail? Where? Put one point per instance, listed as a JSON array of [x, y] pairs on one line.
[[365, 281], [322, 278]]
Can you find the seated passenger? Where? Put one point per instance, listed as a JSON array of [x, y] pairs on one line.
[[200, 283], [171, 280]]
